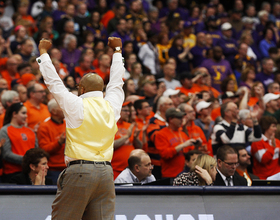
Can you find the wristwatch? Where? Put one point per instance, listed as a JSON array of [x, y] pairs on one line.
[[118, 49]]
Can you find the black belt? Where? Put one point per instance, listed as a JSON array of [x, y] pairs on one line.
[[88, 162]]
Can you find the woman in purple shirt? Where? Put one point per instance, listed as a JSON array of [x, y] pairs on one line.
[[70, 53]]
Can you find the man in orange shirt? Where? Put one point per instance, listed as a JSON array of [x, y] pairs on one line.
[[103, 70], [83, 68], [187, 84], [193, 131], [37, 112], [10, 73], [170, 142], [51, 138], [143, 112], [126, 140], [157, 123]]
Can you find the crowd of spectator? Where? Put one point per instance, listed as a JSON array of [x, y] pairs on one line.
[[202, 78]]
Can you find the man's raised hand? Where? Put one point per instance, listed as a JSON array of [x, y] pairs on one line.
[[44, 46], [114, 42]]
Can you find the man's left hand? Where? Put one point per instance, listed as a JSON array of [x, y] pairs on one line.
[[44, 46]]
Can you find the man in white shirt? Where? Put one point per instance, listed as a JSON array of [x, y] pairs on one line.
[[86, 187], [139, 169], [169, 75]]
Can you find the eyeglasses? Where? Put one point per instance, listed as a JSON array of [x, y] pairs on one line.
[[231, 164], [124, 110]]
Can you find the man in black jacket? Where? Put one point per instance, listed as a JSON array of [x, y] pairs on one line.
[[227, 161]]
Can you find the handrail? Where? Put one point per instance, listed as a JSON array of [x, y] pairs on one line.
[[154, 190]]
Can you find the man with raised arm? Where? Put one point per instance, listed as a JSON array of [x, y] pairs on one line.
[[86, 187]]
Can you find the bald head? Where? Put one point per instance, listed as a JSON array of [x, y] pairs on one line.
[[90, 82]]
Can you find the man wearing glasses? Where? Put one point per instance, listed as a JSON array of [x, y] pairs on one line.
[[227, 161]]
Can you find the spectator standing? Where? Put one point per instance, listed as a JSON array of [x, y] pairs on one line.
[[266, 151], [233, 134], [157, 123], [51, 138], [170, 142], [126, 140], [37, 112]]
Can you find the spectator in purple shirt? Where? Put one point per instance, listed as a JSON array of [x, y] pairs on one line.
[[227, 43], [218, 68], [70, 53], [199, 50], [267, 42], [172, 7], [121, 31], [266, 76], [59, 11], [212, 29]]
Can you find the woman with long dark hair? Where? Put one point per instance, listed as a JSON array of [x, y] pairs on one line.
[[16, 139]]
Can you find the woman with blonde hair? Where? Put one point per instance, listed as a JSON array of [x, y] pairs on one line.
[[203, 172]]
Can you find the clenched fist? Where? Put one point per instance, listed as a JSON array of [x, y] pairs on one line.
[[114, 42], [44, 46]]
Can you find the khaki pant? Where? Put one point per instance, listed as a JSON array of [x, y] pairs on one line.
[[85, 191]]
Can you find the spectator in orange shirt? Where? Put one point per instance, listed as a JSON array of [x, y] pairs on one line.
[[193, 131], [83, 68], [103, 70], [51, 138], [37, 112], [170, 142], [126, 140], [157, 123], [187, 84], [18, 139], [23, 11], [10, 73]]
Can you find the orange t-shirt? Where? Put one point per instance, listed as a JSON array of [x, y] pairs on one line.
[[35, 115], [172, 163], [103, 75], [21, 140], [253, 101], [216, 113], [121, 155], [5, 75], [48, 135], [195, 132], [154, 127], [186, 91]]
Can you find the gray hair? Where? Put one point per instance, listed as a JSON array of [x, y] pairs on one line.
[[52, 104], [262, 13], [161, 101], [182, 107], [68, 38], [243, 114], [8, 96]]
